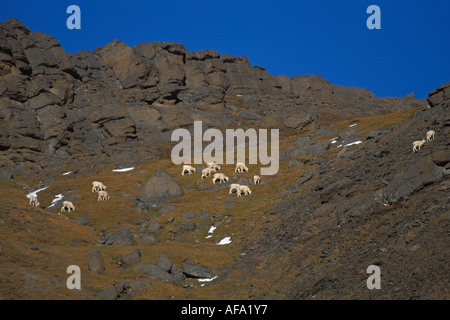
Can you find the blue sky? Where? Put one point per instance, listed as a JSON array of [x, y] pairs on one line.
[[410, 53]]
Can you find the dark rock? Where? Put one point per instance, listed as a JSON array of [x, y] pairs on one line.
[[132, 258], [95, 261], [154, 227], [229, 203], [137, 287], [108, 294], [187, 225], [441, 157], [164, 262], [177, 273], [440, 96], [189, 215], [159, 189], [6, 175], [149, 238], [304, 178], [204, 215], [299, 121], [122, 237], [83, 220], [152, 270], [167, 208], [73, 197], [196, 271], [420, 174], [295, 163], [206, 96], [218, 186]]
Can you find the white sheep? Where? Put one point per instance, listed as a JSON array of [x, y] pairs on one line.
[[103, 195], [213, 165], [67, 205], [430, 135], [187, 168], [207, 172], [256, 179], [243, 190], [34, 201], [234, 187], [221, 177], [241, 167], [98, 186], [418, 144]]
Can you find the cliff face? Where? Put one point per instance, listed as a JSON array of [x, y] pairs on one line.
[[349, 193], [56, 107]]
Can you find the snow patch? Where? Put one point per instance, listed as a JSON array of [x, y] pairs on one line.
[[55, 200], [211, 230], [350, 144], [352, 125], [226, 240], [206, 279], [65, 174], [123, 170], [34, 193]]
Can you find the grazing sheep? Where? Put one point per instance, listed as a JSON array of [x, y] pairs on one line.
[[256, 179], [34, 201], [207, 172], [103, 195], [67, 205], [418, 144], [241, 167], [187, 168], [221, 177], [430, 135], [243, 190], [234, 187], [98, 186], [213, 165]]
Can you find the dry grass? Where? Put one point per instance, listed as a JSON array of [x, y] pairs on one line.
[[27, 273], [366, 124]]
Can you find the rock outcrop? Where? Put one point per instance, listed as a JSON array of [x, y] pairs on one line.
[[103, 107], [159, 189]]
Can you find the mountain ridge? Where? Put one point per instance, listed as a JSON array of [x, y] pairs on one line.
[[350, 192]]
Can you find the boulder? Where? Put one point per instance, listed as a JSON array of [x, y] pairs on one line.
[[95, 261], [154, 226], [196, 271], [299, 121], [122, 237], [154, 271], [132, 258], [164, 262], [159, 189]]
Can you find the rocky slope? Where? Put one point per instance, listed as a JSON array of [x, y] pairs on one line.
[[350, 192], [117, 104]]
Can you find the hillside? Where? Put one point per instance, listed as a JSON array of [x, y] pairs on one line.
[[349, 192]]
